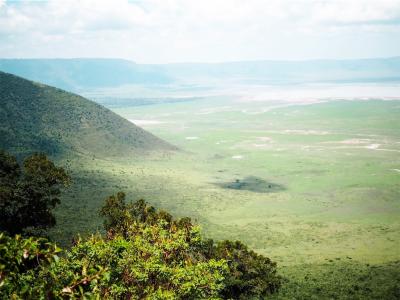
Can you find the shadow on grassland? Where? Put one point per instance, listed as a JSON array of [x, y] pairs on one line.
[[253, 184]]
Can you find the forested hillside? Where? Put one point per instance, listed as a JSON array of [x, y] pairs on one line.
[[36, 117]]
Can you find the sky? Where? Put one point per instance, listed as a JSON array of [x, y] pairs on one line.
[[165, 31]]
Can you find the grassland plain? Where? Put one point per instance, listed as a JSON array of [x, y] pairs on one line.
[[315, 186]]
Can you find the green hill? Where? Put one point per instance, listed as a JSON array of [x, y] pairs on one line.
[[37, 117]]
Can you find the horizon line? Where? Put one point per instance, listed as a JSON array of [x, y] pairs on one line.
[[205, 62]]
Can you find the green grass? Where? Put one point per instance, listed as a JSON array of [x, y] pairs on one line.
[[338, 199], [337, 279]]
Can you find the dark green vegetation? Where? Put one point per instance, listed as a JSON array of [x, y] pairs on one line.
[[35, 117], [253, 184], [153, 262], [146, 254], [28, 195], [249, 274]]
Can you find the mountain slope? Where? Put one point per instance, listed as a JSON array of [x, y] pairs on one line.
[[36, 117]]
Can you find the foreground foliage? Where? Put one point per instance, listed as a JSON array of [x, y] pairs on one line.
[[28, 194], [249, 274], [146, 254], [155, 263]]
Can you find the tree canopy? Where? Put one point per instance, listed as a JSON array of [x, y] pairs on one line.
[[29, 193]]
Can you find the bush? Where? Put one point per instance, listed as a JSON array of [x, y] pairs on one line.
[[153, 263], [249, 275]]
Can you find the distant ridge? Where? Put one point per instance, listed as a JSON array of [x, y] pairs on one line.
[[297, 71], [37, 117], [82, 74]]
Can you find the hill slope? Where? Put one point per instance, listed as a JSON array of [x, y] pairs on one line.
[[36, 117]]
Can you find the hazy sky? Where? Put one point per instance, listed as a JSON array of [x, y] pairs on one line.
[[159, 31]]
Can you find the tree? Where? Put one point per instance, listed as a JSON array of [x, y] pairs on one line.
[[151, 262], [29, 194], [115, 213], [249, 275], [119, 216]]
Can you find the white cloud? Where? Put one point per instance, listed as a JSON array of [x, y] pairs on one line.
[[171, 30], [366, 11]]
